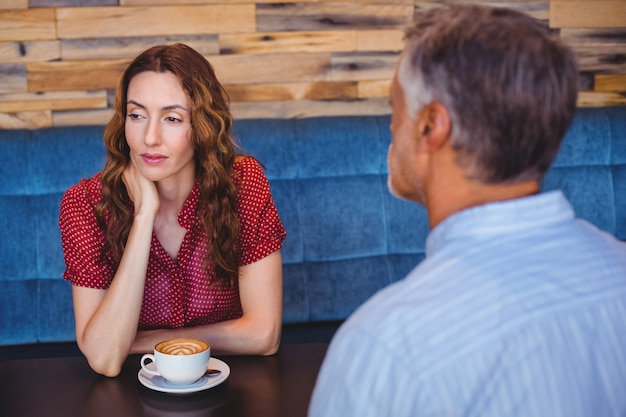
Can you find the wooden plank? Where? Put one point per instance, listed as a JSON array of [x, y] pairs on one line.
[[600, 99], [284, 42], [374, 88], [589, 14], [331, 16], [82, 117], [601, 59], [292, 91], [27, 25], [271, 68], [13, 4], [12, 78], [75, 75], [70, 3], [537, 9], [172, 2], [312, 41], [610, 83], [111, 48], [29, 51], [230, 69], [380, 40], [310, 108], [101, 22], [24, 102], [26, 120], [370, 1], [363, 66], [605, 37]]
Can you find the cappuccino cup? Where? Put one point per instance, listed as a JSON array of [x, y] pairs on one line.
[[180, 361]]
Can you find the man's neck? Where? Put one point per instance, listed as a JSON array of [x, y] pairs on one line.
[[460, 195]]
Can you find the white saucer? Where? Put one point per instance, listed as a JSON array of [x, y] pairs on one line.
[[157, 383]]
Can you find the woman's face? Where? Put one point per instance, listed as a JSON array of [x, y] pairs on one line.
[[158, 127]]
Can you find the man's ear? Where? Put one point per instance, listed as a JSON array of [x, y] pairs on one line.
[[435, 126]]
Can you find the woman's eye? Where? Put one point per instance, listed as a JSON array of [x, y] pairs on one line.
[[134, 116], [173, 119]]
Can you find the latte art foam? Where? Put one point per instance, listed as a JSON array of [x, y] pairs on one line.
[[182, 346]]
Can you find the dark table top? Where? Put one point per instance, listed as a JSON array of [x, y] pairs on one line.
[[279, 385]]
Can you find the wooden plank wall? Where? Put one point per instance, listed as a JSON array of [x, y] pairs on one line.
[[60, 60]]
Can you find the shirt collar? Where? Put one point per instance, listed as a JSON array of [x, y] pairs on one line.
[[504, 217]]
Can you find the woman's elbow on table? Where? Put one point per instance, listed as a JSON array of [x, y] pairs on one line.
[[269, 342], [103, 364]]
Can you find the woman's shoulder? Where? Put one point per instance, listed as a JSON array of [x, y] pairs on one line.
[[86, 190], [244, 163], [247, 168], [249, 177]]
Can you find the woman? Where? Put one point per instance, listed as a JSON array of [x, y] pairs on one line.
[[178, 236]]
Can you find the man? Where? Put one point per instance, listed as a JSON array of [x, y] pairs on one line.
[[519, 309]]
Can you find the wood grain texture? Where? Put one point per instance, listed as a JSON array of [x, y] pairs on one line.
[[312, 41], [183, 2], [101, 22], [27, 25], [29, 51], [271, 68], [363, 66], [113, 48], [28, 102], [310, 108], [610, 83], [70, 3], [376, 88], [607, 37], [81, 117], [75, 75], [13, 78], [60, 60], [13, 4], [600, 99], [26, 120], [587, 14], [380, 40], [321, 90], [331, 16], [285, 42], [601, 59]]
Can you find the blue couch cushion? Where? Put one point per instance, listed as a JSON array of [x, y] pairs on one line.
[[347, 236]]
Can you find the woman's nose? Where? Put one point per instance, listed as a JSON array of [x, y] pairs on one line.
[[152, 135]]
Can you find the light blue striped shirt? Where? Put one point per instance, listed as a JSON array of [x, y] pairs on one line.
[[518, 309]]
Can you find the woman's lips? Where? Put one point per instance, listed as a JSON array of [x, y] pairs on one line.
[[153, 159]]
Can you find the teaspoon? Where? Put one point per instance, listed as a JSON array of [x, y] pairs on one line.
[[212, 372]]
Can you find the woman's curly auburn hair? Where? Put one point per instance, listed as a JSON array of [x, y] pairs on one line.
[[215, 153]]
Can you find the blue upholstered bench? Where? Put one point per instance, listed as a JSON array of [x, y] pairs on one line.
[[347, 236]]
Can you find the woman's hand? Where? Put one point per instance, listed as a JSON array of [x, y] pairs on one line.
[[142, 192], [106, 320]]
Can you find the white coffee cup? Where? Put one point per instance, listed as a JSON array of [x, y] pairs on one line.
[[180, 361]]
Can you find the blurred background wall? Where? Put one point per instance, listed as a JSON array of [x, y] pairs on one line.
[[60, 60]]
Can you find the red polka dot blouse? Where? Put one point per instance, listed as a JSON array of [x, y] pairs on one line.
[[177, 292]]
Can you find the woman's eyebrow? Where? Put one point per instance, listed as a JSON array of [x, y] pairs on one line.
[[174, 107], [135, 103], [166, 108]]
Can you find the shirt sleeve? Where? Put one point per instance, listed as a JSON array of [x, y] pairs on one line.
[[262, 231], [82, 239]]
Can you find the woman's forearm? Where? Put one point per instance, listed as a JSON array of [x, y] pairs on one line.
[[108, 326], [257, 332], [232, 337]]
